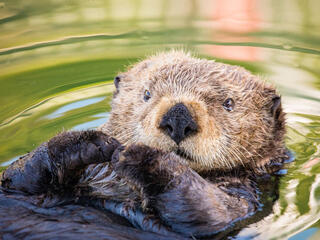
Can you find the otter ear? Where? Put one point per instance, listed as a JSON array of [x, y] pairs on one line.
[[116, 82], [276, 106]]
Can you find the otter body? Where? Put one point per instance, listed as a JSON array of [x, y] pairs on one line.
[[187, 142]]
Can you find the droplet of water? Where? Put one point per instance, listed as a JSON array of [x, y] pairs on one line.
[[281, 172]]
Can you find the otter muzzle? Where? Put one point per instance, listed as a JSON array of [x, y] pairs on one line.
[[178, 123]]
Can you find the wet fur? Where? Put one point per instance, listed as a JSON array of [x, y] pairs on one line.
[[132, 169]]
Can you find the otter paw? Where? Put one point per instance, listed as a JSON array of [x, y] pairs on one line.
[[137, 163], [74, 149], [59, 164], [147, 168]]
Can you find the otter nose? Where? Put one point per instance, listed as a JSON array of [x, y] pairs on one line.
[[178, 123]]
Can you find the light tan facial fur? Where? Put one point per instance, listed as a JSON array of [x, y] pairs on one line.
[[247, 135]]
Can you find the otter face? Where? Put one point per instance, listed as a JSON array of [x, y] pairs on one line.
[[214, 115]]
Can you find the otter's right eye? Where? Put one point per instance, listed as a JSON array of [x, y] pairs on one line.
[[147, 95], [228, 104]]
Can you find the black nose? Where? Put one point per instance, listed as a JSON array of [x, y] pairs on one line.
[[178, 123]]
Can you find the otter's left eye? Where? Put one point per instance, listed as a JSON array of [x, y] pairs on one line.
[[228, 104], [147, 95]]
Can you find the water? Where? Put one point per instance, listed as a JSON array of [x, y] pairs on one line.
[[58, 58]]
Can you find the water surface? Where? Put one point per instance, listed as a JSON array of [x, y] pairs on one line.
[[58, 59]]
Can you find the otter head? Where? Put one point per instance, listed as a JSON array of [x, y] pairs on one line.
[[214, 115]]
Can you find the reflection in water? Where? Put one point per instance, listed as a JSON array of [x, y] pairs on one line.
[[7, 163], [102, 118], [240, 17], [57, 56], [284, 223], [74, 105]]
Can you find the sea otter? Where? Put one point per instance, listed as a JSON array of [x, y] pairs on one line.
[[187, 142]]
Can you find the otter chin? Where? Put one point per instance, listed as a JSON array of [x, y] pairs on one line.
[[214, 115]]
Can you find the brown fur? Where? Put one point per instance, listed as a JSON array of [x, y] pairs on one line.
[[205, 185], [251, 135]]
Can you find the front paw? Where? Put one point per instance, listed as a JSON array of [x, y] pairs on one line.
[[77, 149], [147, 168]]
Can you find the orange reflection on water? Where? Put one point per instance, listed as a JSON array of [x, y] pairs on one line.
[[234, 19]]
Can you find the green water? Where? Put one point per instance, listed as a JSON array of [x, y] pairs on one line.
[[58, 58]]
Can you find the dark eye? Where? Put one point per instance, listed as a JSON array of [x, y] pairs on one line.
[[228, 104], [147, 95]]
